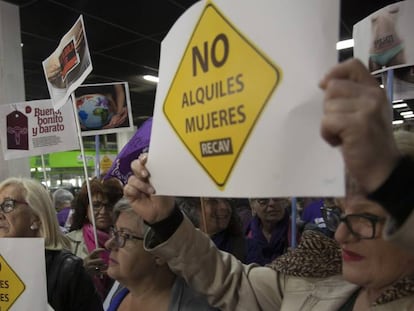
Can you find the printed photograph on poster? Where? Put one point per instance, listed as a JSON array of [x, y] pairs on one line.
[[35, 128], [104, 108], [383, 40], [69, 65]]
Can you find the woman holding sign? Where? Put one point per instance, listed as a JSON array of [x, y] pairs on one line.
[[26, 211]]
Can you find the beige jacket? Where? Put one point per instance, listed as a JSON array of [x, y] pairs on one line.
[[230, 285]]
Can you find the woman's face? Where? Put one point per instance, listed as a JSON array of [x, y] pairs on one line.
[[371, 263], [130, 263], [17, 222], [270, 210], [218, 215], [102, 211]]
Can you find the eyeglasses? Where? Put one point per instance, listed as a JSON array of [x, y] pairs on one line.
[[282, 202], [98, 206], [363, 226], [9, 205], [120, 238]]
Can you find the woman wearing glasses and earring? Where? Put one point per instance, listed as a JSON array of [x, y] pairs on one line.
[[148, 283], [26, 210], [95, 258]]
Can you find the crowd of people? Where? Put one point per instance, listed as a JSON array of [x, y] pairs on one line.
[[201, 253]]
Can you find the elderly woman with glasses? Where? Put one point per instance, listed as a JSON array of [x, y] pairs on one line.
[[104, 195], [26, 211], [148, 283]]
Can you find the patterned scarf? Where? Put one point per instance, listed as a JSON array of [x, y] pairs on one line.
[[320, 256], [316, 256]]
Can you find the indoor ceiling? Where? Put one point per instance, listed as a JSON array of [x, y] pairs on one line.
[[124, 39]]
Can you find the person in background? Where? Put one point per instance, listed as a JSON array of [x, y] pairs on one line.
[[148, 283], [62, 201], [26, 211], [95, 258], [269, 230], [221, 222]]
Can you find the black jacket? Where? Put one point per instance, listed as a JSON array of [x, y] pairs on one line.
[[69, 287]]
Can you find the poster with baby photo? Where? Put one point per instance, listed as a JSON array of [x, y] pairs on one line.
[[384, 39], [104, 108], [36, 128], [69, 65]]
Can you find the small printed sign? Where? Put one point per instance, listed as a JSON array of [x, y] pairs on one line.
[[35, 128]]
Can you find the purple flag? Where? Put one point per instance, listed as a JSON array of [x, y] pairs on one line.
[[139, 143]]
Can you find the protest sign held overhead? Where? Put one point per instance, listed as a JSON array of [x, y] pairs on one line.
[[69, 65], [383, 40], [222, 99], [35, 128], [238, 100]]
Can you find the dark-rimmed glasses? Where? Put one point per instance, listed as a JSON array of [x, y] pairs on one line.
[[9, 205], [120, 237], [363, 225]]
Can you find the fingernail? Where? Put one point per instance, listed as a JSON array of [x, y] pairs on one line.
[[144, 174], [151, 190]]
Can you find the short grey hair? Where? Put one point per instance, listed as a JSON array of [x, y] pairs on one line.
[[124, 206]]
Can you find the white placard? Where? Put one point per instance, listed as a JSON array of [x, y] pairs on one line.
[[35, 128], [22, 274], [238, 107], [384, 39]]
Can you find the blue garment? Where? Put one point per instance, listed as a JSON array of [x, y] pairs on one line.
[[182, 298], [117, 299], [261, 251]]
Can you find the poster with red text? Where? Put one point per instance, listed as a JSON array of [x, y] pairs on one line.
[[35, 128]]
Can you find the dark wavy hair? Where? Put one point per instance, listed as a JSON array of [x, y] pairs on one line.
[[109, 188]]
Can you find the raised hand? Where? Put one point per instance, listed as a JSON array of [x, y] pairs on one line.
[[139, 191], [358, 118]]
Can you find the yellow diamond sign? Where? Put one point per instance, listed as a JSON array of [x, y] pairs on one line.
[[11, 286], [221, 86]]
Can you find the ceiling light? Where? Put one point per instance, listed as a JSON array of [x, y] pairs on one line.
[[397, 101], [402, 105], [151, 78], [397, 122], [345, 44], [408, 116], [406, 113], [21, 44]]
